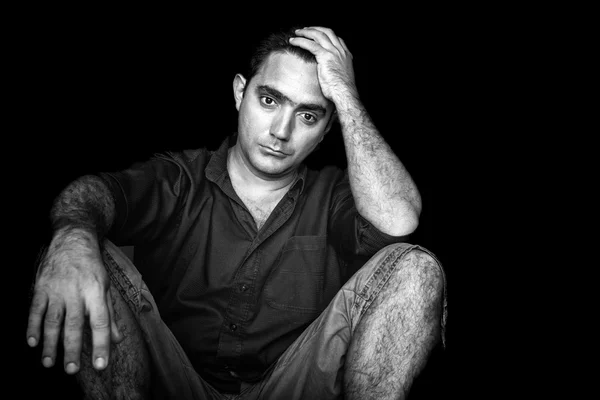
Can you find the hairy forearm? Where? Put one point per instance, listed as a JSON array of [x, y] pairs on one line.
[[384, 191], [86, 204]]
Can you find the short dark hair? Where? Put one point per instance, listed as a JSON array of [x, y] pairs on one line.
[[277, 42]]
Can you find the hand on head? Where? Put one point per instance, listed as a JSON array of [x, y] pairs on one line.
[[335, 68]]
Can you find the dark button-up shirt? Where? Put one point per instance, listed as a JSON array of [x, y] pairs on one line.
[[236, 297]]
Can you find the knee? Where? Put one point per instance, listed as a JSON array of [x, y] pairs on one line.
[[418, 271]]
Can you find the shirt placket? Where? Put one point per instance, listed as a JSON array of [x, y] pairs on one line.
[[240, 307]]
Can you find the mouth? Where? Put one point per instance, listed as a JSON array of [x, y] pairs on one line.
[[274, 152]]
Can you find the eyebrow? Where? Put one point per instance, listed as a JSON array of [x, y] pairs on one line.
[[280, 97]]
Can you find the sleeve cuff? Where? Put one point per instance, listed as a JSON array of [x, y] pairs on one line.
[[372, 239]]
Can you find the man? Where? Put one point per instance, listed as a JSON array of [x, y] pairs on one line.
[[245, 280]]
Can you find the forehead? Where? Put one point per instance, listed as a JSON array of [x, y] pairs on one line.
[[294, 77]]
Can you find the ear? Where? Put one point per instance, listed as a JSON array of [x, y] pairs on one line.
[[239, 84]]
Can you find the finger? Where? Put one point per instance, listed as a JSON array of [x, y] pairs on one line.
[[36, 314], [318, 37], [345, 47], [333, 38], [308, 44], [100, 326], [73, 336], [52, 326], [115, 333]]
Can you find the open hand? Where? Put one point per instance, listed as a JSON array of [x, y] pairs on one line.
[[72, 286]]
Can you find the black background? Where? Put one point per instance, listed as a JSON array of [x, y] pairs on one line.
[[96, 90]]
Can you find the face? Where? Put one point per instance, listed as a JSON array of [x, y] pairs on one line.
[[283, 115]]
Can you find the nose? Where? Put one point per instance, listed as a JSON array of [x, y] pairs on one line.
[[282, 124]]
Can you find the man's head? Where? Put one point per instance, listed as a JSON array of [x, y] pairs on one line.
[[278, 42], [283, 114]]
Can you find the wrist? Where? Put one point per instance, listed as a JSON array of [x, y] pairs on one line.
[[347, 102]]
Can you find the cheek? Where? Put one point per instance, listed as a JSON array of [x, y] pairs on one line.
[[252, 119], [309, 142]]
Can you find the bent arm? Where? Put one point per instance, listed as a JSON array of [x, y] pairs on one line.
[[383, 190]]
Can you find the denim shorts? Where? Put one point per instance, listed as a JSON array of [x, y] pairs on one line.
[[311, 368]]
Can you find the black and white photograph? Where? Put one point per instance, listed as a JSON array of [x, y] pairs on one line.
[[251, 206]]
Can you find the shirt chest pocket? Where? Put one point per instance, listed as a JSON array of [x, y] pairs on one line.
[[296, 282]]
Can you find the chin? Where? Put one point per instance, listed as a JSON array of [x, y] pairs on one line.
[[275, 170]]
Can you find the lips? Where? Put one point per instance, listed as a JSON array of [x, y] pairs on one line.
[[275, 151]]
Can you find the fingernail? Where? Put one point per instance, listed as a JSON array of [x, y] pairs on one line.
[[47, 362], [71, 368], [31, 341], [99, 363]]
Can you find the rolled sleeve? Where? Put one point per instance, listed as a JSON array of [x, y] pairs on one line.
[[353, 234], [370, 240], [147, 196]]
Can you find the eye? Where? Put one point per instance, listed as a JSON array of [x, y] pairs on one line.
[[309, 118], [267, 101]]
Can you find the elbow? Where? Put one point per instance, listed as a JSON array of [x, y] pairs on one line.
[[400, 222], [401, 219], [407, 223], [397, 223], [412, 224], [408, 220]]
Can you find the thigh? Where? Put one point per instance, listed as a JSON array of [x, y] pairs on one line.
[[172, 374], [313, 366], [127, 374]]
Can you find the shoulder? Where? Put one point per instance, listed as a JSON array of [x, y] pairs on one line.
[[176, 169], [187, 157], [189, 161]]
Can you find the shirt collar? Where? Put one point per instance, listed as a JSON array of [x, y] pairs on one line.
[[216, 169]]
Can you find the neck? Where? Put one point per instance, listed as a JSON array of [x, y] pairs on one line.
[[241, 173]]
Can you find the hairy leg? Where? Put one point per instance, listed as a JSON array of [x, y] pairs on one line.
[[395, 336], [127, 375]]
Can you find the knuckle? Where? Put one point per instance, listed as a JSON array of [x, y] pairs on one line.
[[38, 303], [54, 316], [100, 323], [74, 322], [52, 322], [97, 286]]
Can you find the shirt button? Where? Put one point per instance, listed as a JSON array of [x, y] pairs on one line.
[[243, 288], [233, 327]]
